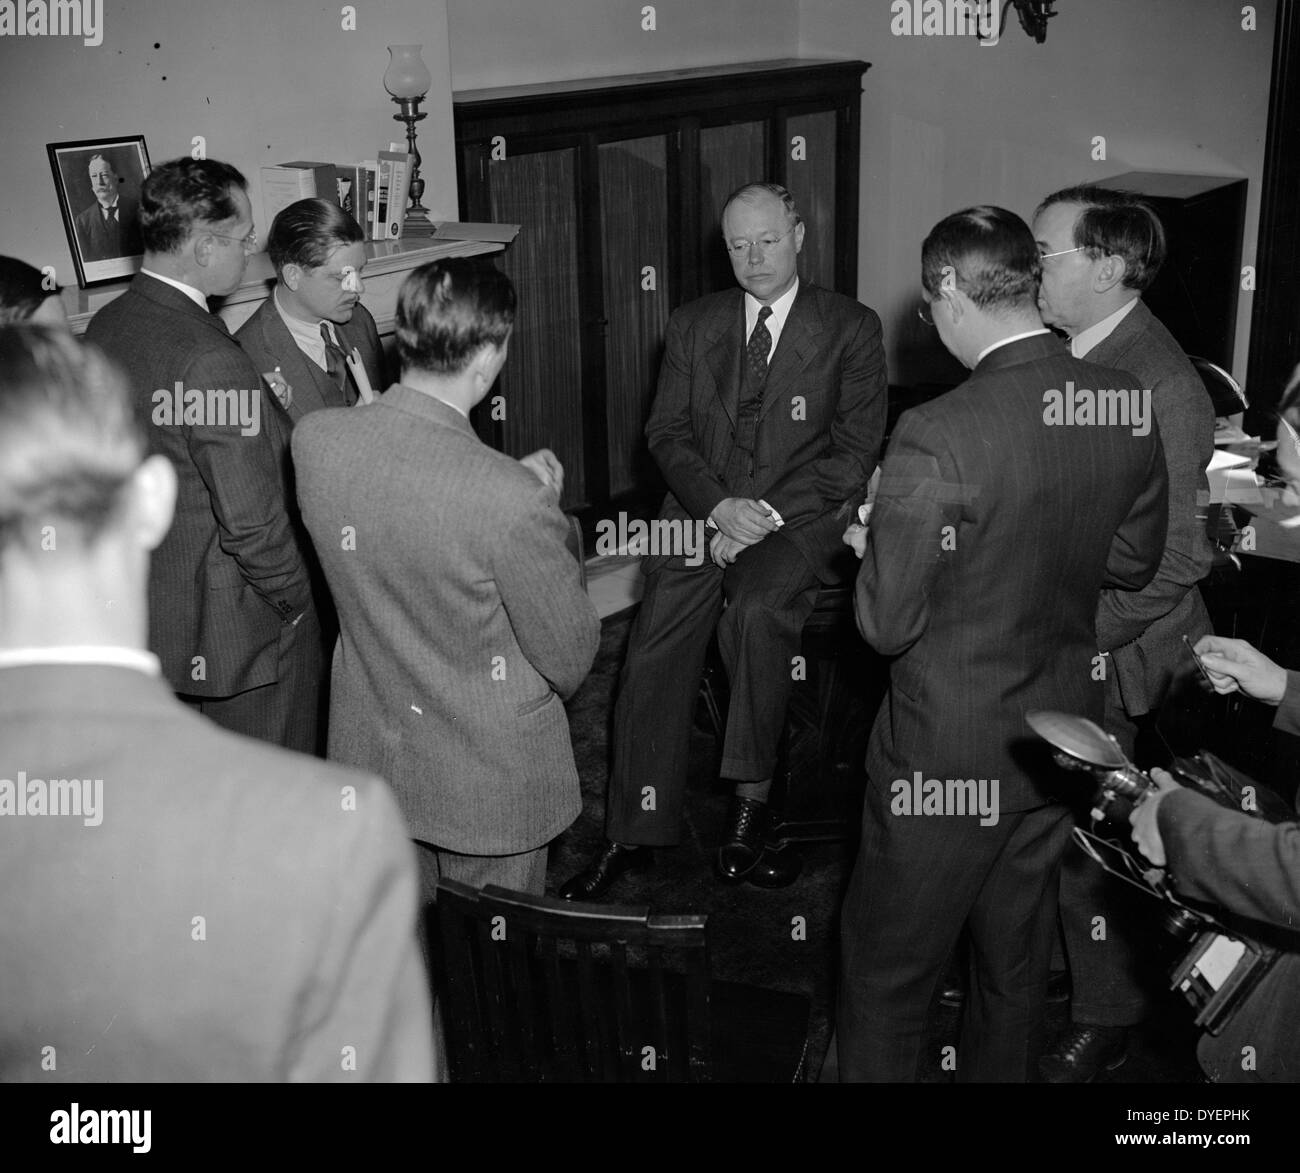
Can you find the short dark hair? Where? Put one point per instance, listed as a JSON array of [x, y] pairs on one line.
[[1116, 224], [751, 191], [22, 289], [69, 440], [447, 311], [182, 193], [986, 252], [305, 233]]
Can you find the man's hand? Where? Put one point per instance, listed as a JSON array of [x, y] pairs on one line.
[[546, 468], [856, 536], [724, 550], [743, 519], [1146, 831], [1234, 665]]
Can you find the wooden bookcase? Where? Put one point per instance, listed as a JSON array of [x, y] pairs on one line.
[[618, 184]]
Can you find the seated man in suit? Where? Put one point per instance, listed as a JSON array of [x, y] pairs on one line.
[[767, 425], [999, 518], [1102, 249], [110, 227], [230, 601], [313, 341], [177, 904], [1246, 865], [463, 621]]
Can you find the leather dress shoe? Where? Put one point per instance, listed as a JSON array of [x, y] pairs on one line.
[[954, 989], [1083, 1053], [595, 880], [742, 839], [776, 867]]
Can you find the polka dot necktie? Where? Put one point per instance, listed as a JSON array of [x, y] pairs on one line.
[[336, 364], [760, 342]]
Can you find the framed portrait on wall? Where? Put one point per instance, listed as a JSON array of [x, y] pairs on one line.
[[98, 181]]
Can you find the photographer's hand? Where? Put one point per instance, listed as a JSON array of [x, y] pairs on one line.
[[1146, 830], [1234, 665]]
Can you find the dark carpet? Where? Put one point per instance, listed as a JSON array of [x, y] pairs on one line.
[[784, 939]]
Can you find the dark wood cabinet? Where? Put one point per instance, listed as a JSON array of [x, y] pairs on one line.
[[1195, 293], [617, 184]]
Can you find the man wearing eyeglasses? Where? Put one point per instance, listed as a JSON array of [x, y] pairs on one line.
[[767, 426], [230, 606], [994, 529], [1101, 250]]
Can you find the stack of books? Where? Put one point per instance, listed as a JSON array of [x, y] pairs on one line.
[[373, 192]]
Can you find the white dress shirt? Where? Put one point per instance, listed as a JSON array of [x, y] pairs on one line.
[[195, 295], [979, 358], [100, 655], [1098, 332]]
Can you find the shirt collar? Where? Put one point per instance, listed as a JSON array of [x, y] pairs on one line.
[[307, 334], [195, 295], [979, 358], [1098, 332], [780, 311], [108, 655]]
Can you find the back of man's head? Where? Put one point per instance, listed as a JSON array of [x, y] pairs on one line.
[[178, 195], [1115, 224], [23, 290], [306, 232], [447, 311], [989, 254], [69, 442]]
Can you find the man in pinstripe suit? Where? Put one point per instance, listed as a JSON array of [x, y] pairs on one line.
[[463, 620], [230, 605], [1004, 507]]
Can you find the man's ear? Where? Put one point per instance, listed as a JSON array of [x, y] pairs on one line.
[[202, 248], [1109, 273], [152, 500], [291, 275], [798, 237]]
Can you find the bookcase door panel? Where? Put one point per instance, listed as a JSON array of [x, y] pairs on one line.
[[636, 258], [542, 379], [810, 176], [729, 157]]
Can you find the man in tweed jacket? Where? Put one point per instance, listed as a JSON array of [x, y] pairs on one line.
[[463, 623]]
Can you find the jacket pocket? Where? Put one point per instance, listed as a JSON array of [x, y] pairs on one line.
[[532, 706]]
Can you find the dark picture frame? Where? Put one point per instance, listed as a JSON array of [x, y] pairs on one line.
[[105, 246]]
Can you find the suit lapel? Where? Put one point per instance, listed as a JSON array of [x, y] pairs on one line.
[[293, 364], [798, 344], [723, 355]]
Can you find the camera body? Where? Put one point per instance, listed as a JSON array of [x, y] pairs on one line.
[[1217, 968]]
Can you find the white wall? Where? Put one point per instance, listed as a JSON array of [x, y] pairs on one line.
[[1173, 85], [262, 82], [515, 42]]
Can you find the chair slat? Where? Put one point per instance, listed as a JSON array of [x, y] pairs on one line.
[[576, 993]]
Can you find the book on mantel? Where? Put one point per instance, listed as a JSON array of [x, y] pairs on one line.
[[465, 230]]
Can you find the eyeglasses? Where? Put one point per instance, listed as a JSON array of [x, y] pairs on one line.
[[1042, 256], [739, 248], [249, 240]]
